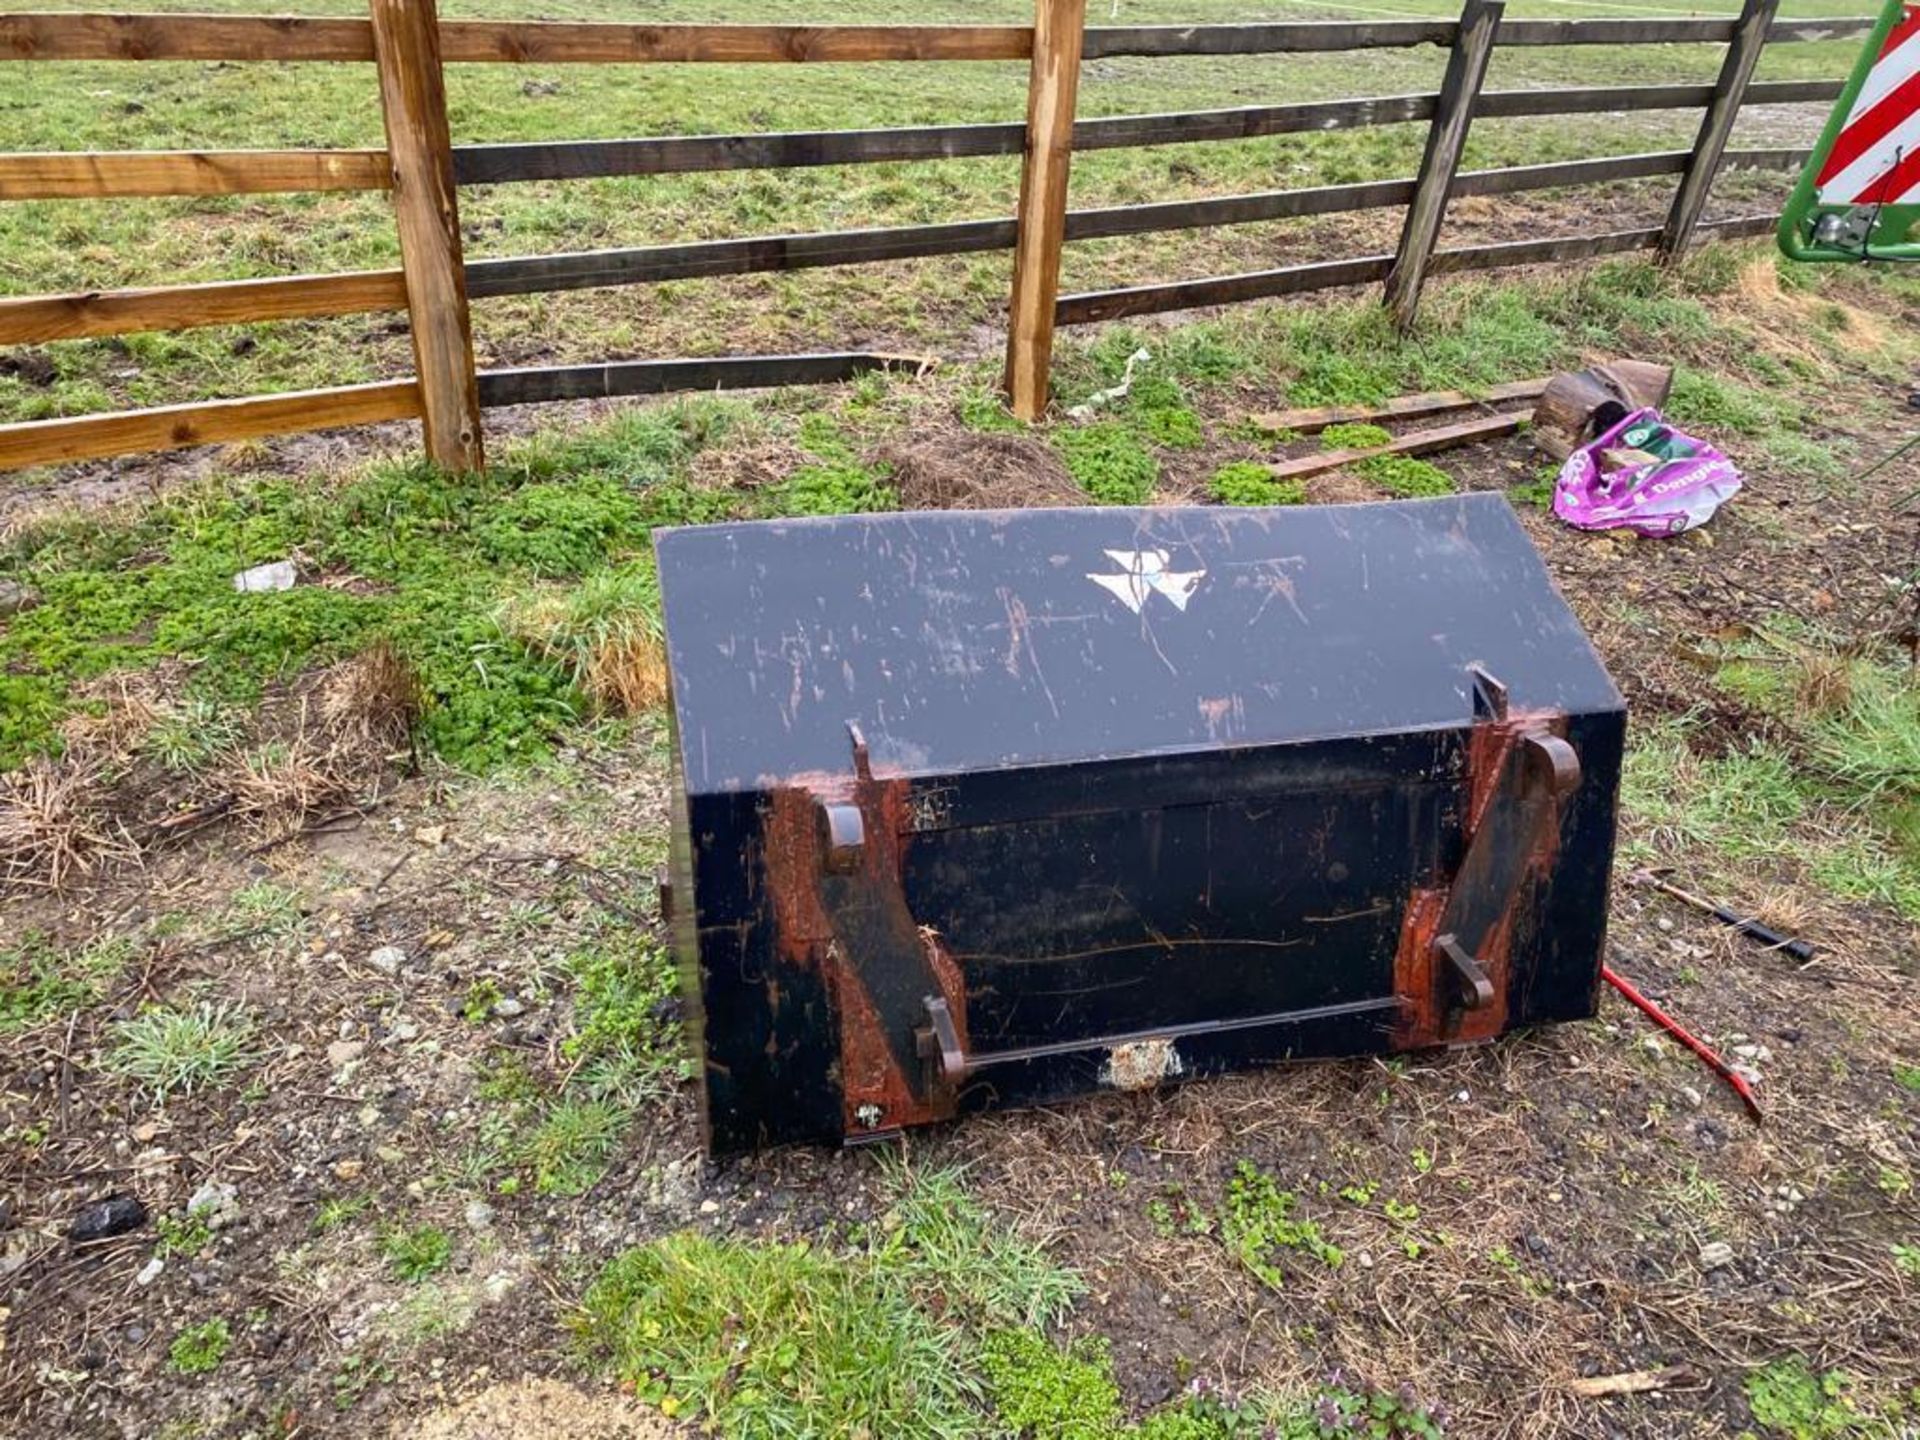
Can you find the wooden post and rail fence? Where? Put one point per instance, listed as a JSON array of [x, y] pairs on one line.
[[423, 171]]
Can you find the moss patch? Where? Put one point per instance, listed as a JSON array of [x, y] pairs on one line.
[[1109, 463], [1247, 482]]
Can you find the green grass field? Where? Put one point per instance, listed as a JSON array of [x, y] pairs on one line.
[[935, 305]]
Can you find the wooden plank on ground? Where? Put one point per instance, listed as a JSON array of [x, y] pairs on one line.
[[123, 173], [1401, 407], [34, 319], [1716, 126], [1052, 93], [413, 100], [1420, 442], [1446, 141], [175, 427]]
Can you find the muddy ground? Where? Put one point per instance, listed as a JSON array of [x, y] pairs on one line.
[[1563, 1197]]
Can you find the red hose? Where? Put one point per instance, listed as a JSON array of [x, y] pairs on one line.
[[1699, 1047]]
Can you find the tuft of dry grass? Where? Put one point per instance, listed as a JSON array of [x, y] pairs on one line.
[[747, 467], [1780, 317], [329, 744], [606, 631], [119, 787], [963, 470], [373, 698], [54, 822]]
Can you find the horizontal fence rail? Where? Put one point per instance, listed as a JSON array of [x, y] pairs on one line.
[[1136, 300], [92, 36], [417, 44], [232, 172], [178, 427], [53, 176], [209, 422]]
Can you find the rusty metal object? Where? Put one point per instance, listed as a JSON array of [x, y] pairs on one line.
[[991, 809]]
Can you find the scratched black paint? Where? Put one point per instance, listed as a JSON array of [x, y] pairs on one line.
[[1197, 820]]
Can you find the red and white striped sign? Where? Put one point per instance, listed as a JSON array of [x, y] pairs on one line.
[[1875, 159]]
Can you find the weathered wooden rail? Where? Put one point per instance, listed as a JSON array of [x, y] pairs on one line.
[[423, 170]]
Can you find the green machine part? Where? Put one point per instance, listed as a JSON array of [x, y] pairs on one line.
[[1873, 224]]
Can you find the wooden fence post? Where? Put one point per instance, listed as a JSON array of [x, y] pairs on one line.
[[1052, 92], [413, 96], [1716, 127], [1466, 72]]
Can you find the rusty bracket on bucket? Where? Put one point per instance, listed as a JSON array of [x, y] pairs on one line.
[[1522, 773], [841, 885]]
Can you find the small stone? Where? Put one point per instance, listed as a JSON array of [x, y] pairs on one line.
[[263, 579], [431, 835], [146, 1132], [1747, 1052], [150, 1272], [15, 1251], [1654, 1045], [388, 959], [1365, 1259], [1715, 1255], [1692, 1096], [103, 1219], [390, 1154], [1555, 1196], [405, 1030], [348, 1169], [709, 1207], [16, 598], [1664, 923], [479, 1215], [507, 1007], [342, 1053], [216, 1203]]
